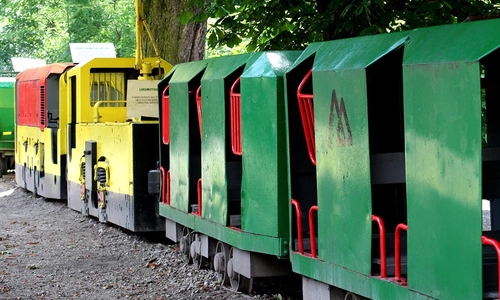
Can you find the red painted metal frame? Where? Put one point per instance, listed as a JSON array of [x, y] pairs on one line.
[[312, 228], [199, 197], [165, 116], [235, 107], [198, 106], [496, 245], [397, 253], [165, 186], [306, 110], [383, 255], [298, 213]]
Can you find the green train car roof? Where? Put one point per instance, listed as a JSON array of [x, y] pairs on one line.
[[449, 43]]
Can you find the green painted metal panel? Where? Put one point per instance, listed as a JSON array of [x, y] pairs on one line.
[[178, 216], [265, 198], [6, 113], [179, 133], [242, 240], [361, 284], [443, 164], [179, 147], [344, 190], [457, 42], [215, 95]]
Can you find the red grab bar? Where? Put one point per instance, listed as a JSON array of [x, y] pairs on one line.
[[165, 186], [496, 245], [199, 197], [312, 236], [235, 107], [198, 106], [306, 110], [383, 259], [298, 213], [165, 116], [397, 252]]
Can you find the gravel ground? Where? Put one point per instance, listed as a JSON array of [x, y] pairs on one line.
[[48, 251]]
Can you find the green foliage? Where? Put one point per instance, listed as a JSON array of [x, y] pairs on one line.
[[44, 28], [274, 24]]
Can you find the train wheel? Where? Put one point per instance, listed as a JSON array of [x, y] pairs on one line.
[[195, 253], [185, 244], [220, 259], [239, 283]]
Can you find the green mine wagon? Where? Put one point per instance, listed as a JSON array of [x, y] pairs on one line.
[[6, 123]]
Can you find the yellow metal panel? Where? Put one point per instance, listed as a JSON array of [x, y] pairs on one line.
[[63, 118], [28, 139], [114, 142]]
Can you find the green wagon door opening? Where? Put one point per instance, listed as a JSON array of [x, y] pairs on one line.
[[386, 142], [490, 109], [302, 147]]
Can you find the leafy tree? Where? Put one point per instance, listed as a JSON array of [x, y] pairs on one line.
[[44, 28], [274, 24]]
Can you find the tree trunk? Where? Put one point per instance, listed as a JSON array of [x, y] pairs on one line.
[[176, 42]]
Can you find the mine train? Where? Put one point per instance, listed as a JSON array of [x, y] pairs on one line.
[[359, 164]]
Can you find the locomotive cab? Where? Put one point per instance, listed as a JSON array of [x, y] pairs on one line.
[[112, 143]]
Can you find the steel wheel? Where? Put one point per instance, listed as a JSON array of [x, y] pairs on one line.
[[239, 283], [220, 262], [185, 244]]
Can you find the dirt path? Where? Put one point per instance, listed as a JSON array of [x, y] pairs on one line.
[[48, 251]]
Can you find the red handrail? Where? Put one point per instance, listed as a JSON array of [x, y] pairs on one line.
[[312, 235], [235, 107], [306, 110], [198, 106], [397, 252], [163, 184], [496, 245], [165, 116], [199, 197], [298, 213], [383, 260]]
